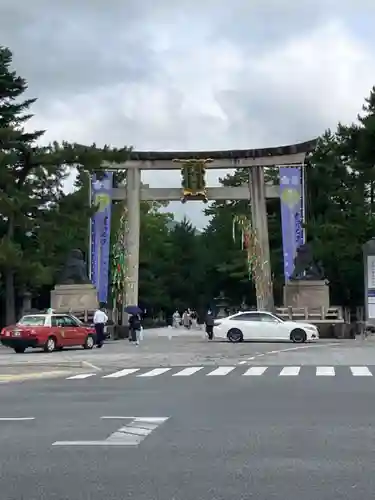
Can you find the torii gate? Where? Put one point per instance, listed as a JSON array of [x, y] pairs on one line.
[[255, 191]]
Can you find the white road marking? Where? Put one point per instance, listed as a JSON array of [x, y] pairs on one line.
[[321, 371], [325, 371], [256, 355], [360, 371], [143, 425], [128, 435], [186, 372], [135, 430], [110, 417], [222, 370], [15, 419], [156, 420], [105, 442], [256, 370], [121, 373], [90, 365], [155, 372], [81, 376], [290, 371]]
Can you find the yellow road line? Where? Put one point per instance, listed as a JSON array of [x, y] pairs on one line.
[[30, 376]]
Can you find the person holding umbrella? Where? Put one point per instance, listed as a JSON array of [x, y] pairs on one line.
[[134, 322]]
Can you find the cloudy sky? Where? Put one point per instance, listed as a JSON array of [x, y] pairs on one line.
[[191, 74]]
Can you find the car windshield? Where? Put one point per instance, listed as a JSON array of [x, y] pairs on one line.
[[78, 321], [278, 317], [32, 321]]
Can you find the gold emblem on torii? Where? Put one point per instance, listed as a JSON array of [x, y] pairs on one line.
[[193, 172]]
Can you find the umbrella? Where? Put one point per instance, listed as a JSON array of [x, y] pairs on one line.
[[133, 310]]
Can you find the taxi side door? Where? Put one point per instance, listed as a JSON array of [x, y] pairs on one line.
[[59, 330], [75, 334]]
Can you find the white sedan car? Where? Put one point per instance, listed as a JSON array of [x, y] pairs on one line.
[[261, 325]]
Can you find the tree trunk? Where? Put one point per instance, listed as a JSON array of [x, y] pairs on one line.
[[10, 299], [10, 293]]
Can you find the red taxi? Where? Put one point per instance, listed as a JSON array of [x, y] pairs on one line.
[[49, 332]]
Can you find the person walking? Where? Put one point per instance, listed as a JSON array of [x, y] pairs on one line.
[[134, 327], [186, 321], [100, 320], [176, 319], [194, 319], [209, 322]]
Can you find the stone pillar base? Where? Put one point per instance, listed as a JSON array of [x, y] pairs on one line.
[[74, 298], [311, 294]]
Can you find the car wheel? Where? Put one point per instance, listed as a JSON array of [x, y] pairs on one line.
[[235, 335], [50, 345], [89, 342], [19, 350], [298, 336]]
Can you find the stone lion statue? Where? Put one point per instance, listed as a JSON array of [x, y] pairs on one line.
[[74, 271], [305, 268]]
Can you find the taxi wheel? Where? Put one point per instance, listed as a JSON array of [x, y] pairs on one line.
[[19, 350], [50, 345], [89, 342]]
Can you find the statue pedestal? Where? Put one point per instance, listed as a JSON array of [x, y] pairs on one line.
[[74, 298], [311, 294]]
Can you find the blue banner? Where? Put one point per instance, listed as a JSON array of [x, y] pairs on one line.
[[101, 195], [292, 214]]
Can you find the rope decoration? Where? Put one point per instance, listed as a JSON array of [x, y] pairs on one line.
[[257, 270], [120, 259]]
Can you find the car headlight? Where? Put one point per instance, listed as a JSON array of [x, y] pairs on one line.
[[311, 328]]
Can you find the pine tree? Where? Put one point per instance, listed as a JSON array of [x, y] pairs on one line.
[[340, 204], [33, 206], [29, 180]]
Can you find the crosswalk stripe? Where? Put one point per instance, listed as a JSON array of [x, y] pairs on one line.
[[320, 371], [360, 371], [122, 373], [222, 370], [81, 376], [186, 372], [325, 371], [155, 372], [256, 370], [290, 371]]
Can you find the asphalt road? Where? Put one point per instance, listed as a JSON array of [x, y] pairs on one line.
[[225, 437], [192, 349]]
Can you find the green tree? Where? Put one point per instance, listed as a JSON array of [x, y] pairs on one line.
[[30, 177], [340, 186], [227, 263], [154, 259], [186, 272], [31, 196]]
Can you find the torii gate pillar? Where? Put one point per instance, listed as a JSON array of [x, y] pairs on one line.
[[260, 224], [133, 202]]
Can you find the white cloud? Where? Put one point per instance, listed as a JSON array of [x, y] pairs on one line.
[[234, 76]]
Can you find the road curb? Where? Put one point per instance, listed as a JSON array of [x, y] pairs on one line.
[[58, 364], [24, 377]]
